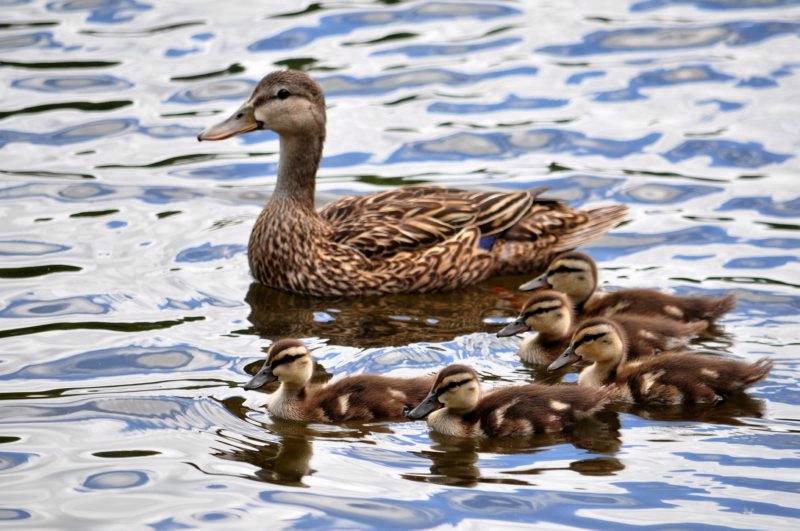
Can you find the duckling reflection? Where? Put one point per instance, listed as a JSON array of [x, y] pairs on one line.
[[381, 321], [454, 460], [730, 411], [285, 462]]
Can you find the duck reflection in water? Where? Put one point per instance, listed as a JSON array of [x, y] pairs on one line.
[[382, 321], [455, 460]]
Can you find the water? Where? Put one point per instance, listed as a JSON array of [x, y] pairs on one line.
[[128, 318]]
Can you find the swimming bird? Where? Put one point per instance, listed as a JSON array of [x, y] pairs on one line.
[[363, 397], [575, 274], [550, 313], [673, 378], [405, 240], [520, 410]]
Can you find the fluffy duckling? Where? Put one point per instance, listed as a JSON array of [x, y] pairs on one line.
[[517, 410], [576, 275], [675, 378], [360, 398], [550, 313]]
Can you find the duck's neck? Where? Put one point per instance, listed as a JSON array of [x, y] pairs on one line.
[[297, 169]]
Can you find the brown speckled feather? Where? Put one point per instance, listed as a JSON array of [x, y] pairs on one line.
[[682, 378], [530, 409], [651, 302], [366, 398]]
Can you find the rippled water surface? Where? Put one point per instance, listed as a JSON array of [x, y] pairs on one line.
[[128, 318]]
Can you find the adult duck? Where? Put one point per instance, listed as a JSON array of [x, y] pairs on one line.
[[412, 239]]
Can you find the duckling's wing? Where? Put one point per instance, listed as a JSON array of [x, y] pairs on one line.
[[414, 218]]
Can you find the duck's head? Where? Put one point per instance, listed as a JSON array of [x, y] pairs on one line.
[[598, 340], [548, 312], [288, 102], [572, 273], [456, 386], [289, 361]]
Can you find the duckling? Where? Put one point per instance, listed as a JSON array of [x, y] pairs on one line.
[[674, 378], [521, 410], [358, 398], [575, 274], [407, 240], [550, 313]]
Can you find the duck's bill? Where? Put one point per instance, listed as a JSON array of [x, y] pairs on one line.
[[536, 283], [424, 408], [241, 121], [262, 378], [511, 329], [568, 357]]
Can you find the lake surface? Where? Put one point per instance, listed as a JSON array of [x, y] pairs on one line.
[[128, 318]]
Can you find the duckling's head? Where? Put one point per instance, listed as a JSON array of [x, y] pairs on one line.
[[548, 312], [598, 340], [288, 102], [572, 273], [456, 386], [289, 361]]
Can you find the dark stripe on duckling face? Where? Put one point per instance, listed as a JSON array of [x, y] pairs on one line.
[[587, 338], [451, 385], [539, 311], [286, 359], [564, 269]]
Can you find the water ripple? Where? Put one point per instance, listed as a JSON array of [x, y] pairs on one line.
[[512, 102], [80, 305], [461, 146], [646, 5], [101, 11], [728, 153], [93, 130], [344, 23], [121, 361], [673, 38], [662, 78], [80, 83], [430, 50]]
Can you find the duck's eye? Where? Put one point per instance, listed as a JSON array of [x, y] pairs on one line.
[[283, 94]]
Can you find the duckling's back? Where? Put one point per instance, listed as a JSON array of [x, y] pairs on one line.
[[368, 397], [530, 409]]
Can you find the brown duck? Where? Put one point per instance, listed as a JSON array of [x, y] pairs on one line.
[[520, 410], [575, 274], [364, 397], [675, 378], [550, 313], [413, 239]]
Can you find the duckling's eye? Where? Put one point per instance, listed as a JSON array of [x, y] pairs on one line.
[[283, 94]]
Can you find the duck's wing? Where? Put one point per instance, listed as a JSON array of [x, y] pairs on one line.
[[555, 226], [414, 218]]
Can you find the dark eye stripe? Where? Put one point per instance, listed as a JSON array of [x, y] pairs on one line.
[[286, 359], [451, 385], [565, 269], [587, 338], [541, 310]]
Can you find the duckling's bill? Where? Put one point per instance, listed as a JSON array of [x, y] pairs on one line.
[[538, 282], [516, 327], [424, 408], [568, 357], [262, 378], [241, 121]]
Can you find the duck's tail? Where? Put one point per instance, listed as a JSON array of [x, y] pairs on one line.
[[598, 221], [549, 229]]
